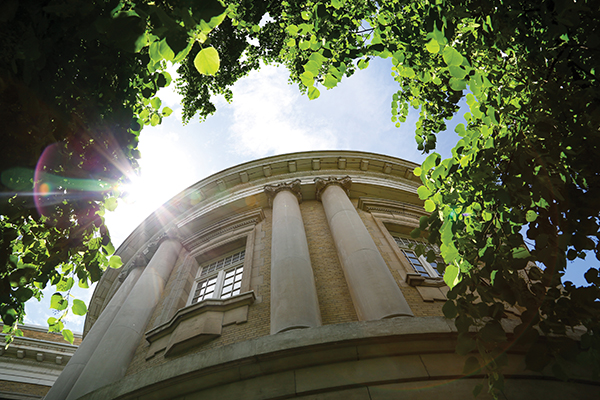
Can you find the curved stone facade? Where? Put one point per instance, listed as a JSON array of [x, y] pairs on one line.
[[289, 276]]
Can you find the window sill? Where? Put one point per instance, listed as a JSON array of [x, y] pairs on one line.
[[414, 279], [198, 323], [430, 289]]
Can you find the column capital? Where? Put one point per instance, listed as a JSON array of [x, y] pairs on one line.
[[293, 186], [322, 183]]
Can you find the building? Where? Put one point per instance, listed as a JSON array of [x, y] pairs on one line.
[[291, 276], [31, 364]]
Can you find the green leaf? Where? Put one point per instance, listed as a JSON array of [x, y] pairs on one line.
[[155, 119], [304, 45], [155, 102], [465, 344], [58, 302], [457, 84], [493, 332], [457, 72], [313, 93], [330, 81], [79, 307], [452, 56], [472, 366], [111, 204], [477, 389], [165, 50], [431, 161], [531, 216], [429, 205], [23, 294], [423, 192], [55, 325], [155, 51], [68, 335], [65, 285], [307, 78], [520, 252], [451, 275], [207, 61], [433, 46], [292, 29], [449, 309], [337, 4], [417, 171], [166, 111], [312, 67], [115, 262]]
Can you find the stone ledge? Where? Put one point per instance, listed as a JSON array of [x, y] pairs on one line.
[[325, 359], [198, 323]]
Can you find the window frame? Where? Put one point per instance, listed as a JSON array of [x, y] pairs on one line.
[[429, 269], [219, 273]]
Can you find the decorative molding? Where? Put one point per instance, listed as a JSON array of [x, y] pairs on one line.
[[142, 258], [293, 186], [371, 204], [292, 167], [198, 323], [237, 221], [322, 183]]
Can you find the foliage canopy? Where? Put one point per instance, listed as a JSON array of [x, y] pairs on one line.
[[515, 202]]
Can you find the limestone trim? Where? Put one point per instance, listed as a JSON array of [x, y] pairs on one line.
[[391, 207], [322, 183], [198, 323], [293, 186], [239, 221], [416, 352]]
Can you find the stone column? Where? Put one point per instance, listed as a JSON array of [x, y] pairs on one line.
[[372, 287], [116, 349], [294, 302], [77, 363]]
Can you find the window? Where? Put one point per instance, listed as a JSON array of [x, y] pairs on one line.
[[221, 278], [419, 263]]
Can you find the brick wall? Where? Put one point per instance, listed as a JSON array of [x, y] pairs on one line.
[[16, 388], [332, 290]]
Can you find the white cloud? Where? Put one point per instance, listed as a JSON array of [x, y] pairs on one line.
[[269, 117]]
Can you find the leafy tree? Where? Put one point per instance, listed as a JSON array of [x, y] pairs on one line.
[[518, 198], [77, 83]]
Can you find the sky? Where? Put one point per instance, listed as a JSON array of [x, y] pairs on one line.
[[266, 117]]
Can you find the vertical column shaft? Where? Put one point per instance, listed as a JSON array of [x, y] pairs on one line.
[[294, 302], [116, 349], [77, 363], [372, 287]]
